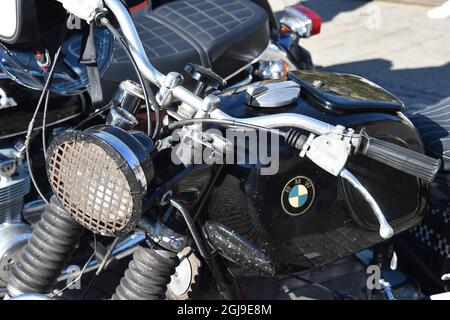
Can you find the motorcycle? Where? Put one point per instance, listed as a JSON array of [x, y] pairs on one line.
[[263, 174]]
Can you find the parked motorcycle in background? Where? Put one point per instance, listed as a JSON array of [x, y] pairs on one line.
[[325, 165]]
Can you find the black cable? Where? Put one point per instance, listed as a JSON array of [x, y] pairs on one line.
[[33, 119], [211, 186], [93, 115], [196, 236], [44, 124], [44, 117], [148, 93], [224, 122], [153, 101]]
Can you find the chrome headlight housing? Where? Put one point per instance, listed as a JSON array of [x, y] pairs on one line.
[[100, 176]]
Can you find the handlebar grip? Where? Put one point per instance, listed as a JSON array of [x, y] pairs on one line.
[[401, 158]]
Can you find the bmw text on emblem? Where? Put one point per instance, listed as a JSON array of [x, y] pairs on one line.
[[297, 196]]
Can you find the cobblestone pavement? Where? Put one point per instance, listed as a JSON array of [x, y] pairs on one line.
[[395, 45]]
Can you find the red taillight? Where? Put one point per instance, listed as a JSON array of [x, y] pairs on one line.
[[300, 20], [138, 7], [311, 14]]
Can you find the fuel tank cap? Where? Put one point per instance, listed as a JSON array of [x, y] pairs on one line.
[[272, 94]]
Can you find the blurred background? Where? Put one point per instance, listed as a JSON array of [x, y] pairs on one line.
[[393, 43]]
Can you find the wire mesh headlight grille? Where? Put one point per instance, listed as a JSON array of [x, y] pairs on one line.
[[94, 182]]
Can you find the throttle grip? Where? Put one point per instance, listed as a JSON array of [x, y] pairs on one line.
[[403, 159]]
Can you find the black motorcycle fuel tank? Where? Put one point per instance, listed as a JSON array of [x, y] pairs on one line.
[[303, 217]]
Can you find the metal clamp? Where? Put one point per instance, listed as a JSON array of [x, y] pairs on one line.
[[164, 236], [121, 118], [43, 59], [328, 151], [170, 82]]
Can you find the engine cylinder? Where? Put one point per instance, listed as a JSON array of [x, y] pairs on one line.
[[49, 248], [148, 275], [14, 186]]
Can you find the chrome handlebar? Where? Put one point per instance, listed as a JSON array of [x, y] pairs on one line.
[[129, 31], [185, 96], [148, 70]]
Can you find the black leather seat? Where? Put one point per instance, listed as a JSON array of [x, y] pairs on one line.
[[224, 35], [433, 124]]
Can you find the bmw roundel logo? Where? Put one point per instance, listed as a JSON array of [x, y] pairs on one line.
[[298, 195]]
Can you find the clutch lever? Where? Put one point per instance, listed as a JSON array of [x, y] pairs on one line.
[[386, 230]]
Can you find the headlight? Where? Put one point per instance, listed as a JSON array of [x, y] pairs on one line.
[[100, 176]]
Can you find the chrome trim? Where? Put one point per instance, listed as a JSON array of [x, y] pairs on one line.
[[274, 52], [127, 154], [272, 94], [121, 118], [269, 70], [132, 88], [297, 21]]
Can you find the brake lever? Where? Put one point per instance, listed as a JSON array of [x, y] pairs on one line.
[[385, 230], [331, 153]]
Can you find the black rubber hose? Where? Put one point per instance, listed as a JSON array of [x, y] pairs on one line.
[[148, 275], [46, 253]]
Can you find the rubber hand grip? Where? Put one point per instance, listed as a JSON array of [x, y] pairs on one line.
[[401, 158]]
